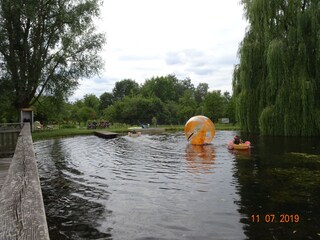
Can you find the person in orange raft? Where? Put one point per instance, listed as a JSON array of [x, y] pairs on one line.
[[237, 140]]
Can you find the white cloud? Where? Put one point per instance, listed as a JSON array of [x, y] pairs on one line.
[[198, 39]]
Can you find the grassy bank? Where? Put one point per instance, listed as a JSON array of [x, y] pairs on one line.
[[59, 133], [69, 132], [218, 126], [223, 126]]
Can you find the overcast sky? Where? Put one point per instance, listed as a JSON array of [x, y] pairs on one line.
[[196, 39]]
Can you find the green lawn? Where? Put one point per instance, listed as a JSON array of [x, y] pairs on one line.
[[58, 133]]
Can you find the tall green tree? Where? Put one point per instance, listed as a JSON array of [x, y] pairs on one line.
[[125, 87], [46, 46], [91, 101], [57, 110], [86, 113], [181, 86], [201, 92], [187, 106], [230, 109], [6, 111], [277, 83], [137, 110], [214, 105], [106, 99], [163, 87]]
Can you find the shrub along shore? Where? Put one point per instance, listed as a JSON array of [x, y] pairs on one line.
[[44, 134]]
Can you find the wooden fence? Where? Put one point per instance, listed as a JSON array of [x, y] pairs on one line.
[[22, 214], [8, 138]]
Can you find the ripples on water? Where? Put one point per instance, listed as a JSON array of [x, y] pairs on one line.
[[151, 187], [160, 187]]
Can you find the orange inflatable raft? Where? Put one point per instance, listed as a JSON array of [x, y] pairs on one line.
[[241, 146]]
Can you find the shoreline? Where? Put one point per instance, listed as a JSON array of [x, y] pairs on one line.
[[71, 132]]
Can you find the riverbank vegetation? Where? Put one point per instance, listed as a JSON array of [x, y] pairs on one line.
[[164, 100], [277, 83], [41, 65], [59, 131]]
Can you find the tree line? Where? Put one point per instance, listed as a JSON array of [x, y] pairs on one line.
[[159, 100], [45, 48]]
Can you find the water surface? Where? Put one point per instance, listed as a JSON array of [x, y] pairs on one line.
[[160, 187]]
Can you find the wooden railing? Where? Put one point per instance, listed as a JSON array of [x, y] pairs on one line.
[[8, 137], [22, 214]]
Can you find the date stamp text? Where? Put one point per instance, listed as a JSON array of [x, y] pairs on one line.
[[275, 218]]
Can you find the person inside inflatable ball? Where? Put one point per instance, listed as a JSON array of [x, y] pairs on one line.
[[199, 130]]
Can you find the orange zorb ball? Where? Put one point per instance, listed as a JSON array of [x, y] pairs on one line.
[[199, 130]]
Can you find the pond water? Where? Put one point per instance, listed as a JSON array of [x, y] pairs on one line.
[[160, 187]]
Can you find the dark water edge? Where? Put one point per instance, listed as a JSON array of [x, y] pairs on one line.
[[92, 191], [281, 180]]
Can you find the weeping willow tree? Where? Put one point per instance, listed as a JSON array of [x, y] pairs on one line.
[[277, 82]]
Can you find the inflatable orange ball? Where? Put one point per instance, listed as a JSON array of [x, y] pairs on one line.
[[199, 130]]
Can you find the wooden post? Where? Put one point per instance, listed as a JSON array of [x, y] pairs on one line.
[[22, 214]]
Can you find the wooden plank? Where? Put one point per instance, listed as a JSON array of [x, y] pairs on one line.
[[10, 127], [8, 140], [10, 130], [105, 134], [22, 214], [1, 138], [13, 139], [4, 167]]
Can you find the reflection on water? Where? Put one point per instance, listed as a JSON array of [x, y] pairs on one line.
[[160, 187], [241, 154], [200, 158], [67, 195]]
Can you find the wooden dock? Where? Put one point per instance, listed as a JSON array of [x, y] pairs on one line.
[[22, 214], [106, 134]]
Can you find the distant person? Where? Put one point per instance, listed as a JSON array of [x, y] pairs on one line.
[[237, 140]]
